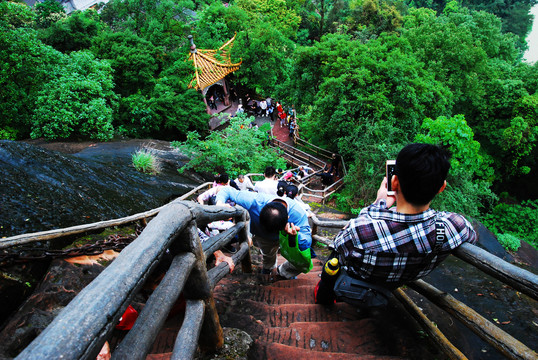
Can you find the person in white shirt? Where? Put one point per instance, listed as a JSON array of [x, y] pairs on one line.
[[269, 185], [244, 183], [263, 108]]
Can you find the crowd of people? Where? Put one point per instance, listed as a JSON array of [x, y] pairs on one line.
[[397, 239], [274, 110], [274, 212]]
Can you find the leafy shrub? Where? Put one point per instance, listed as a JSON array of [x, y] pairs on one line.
[[144, 160], [238, 149], [469, 180], [8, 134], [509, 241], [517, 220]]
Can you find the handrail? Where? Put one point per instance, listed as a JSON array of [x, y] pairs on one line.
[[316, 149], [438, 337], [502, 341], [299, 153], [522, 280], [321, 151], [82, 327], [80, 330], [78, 229]]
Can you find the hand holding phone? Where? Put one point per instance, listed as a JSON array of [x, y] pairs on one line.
[[390, 166]]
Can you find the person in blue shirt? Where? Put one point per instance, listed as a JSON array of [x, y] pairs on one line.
[[270, 214]]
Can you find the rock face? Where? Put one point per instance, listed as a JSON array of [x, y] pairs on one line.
[[42, 190], [60, 285]]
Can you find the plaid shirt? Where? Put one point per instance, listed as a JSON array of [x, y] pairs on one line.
[[387, 247]]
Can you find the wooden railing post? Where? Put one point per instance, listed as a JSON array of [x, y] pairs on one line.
[[246, 263], [211, 335]]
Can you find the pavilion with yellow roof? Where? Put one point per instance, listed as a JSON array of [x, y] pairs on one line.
[[211, 68]]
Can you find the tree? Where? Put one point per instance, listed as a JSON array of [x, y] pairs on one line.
[[135, 60], [163, 22], [168, 111], [368, 100], [78, 103], [364, 84], [266, 55], [177, 108], [277, 14], [514, 14], [234, 150], [48, 12], [27, 64], [217, 25], [470, 177], [73, 33], [374, 17], [434, 40], [315, 15], [16, 15]]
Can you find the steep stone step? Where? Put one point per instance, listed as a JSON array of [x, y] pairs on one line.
[[301, 294], [354, 337], [284, 315], [274, 351], [286, 324]]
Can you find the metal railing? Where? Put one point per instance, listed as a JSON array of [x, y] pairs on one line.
[[319, 151], [298, 157], [83, 326], [514, 276]]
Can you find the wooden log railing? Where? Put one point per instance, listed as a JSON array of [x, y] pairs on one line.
[[520, 279], [83, 326]]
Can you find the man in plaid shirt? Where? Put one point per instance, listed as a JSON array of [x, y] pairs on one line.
[[389, 246]]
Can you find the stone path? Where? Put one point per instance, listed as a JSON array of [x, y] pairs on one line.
[[285, 323]]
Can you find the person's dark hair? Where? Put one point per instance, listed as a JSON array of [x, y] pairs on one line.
[[421, 170], [291, 191], [269, 172], [273, 217], [223, 179], [281, 188], [234, 185]]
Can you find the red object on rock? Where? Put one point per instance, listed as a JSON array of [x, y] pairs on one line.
[[128, 319]]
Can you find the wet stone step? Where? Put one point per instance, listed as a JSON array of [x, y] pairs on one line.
[[303, 294], [283, 315], [273, 351], [355, 337]]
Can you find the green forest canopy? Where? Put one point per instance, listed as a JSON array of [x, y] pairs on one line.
[[366, 77]]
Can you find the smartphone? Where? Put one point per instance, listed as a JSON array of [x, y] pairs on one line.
[[391, 164]]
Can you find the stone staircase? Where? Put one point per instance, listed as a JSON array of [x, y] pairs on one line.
[[285, 323]]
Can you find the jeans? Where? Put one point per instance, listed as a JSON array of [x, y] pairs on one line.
[[269, 250]]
